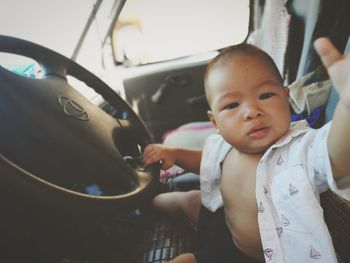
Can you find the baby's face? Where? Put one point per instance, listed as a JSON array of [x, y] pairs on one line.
[[249, 105]]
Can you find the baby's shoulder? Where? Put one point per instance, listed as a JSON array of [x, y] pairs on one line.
[[216, 143]]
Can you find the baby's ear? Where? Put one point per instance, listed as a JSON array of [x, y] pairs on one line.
[[211, 117]]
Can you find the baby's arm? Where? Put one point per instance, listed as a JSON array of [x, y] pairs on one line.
[[338, 68], [188, 159]]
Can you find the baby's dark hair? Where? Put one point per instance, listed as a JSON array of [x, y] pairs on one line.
[[224, 57]]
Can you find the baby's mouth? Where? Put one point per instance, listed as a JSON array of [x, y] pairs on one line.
[[258, 132]]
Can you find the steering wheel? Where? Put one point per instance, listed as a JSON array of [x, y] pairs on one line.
[[59, 148]]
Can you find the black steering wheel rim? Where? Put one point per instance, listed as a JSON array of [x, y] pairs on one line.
[[114, 137]]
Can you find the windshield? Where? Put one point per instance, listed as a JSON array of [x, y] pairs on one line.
[[152, 31], [53, 24]]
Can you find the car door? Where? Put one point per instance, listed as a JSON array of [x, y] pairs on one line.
[[167, 98]]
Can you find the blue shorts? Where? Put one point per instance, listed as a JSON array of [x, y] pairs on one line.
[[215, 240]]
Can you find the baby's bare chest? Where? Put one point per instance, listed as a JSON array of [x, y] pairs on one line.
[[238, 185], [238, 182]]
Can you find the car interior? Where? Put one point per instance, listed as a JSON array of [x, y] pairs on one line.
[[73, 186]]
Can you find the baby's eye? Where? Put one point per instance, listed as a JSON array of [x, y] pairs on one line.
[[231, 106], [265, 96]]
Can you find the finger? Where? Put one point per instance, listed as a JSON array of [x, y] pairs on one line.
[[149, 152], [148, 148], [327, 52], [151, 158], [147, 159]]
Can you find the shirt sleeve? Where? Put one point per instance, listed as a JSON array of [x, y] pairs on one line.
[[214, 152], [321, 169]]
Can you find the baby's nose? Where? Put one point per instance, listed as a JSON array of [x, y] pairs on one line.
[[251, 110]]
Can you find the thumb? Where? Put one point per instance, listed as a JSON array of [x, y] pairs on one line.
[[327, 52]]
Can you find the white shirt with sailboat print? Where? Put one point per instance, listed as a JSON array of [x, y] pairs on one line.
[[290, 177]]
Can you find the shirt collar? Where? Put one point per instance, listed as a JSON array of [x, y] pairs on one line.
[[296, 128]]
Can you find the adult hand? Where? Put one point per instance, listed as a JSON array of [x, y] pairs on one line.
[[338, 67]]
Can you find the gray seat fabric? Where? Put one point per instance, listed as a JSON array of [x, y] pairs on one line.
[[307, 13], [304, 16], [333, 22], [314, 18]]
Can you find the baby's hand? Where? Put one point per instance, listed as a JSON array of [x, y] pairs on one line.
[[154, 153], [338, 67]]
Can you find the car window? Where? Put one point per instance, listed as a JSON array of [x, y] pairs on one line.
[[149, 31]]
